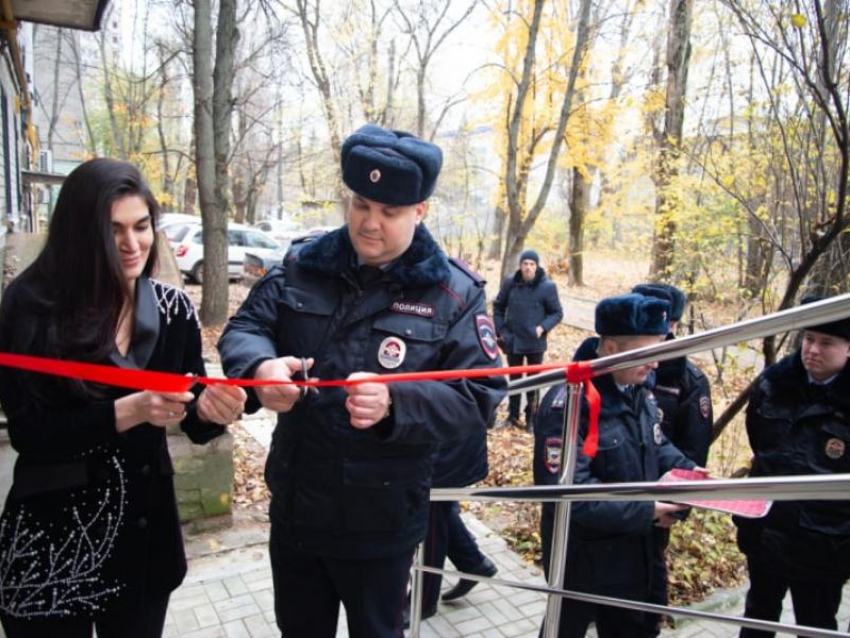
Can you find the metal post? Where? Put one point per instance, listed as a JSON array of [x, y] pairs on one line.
[[561, 526], [416, 591]]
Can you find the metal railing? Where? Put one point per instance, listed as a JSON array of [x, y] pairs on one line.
[[818, 487]]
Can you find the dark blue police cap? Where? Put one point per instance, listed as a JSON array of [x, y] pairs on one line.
[[632, 314], [671, 294], [391, 167], [839, 328]]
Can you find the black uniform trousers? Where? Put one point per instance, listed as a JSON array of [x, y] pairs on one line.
[[576, 616], [447, 536], [815, 602], [308, 589], [145, 622], [532, 358], [658, 586]]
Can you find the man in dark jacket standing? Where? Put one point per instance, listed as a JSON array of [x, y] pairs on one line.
[[525, 311], [798, 423], [611, 543], [350, 467], [684, 400]]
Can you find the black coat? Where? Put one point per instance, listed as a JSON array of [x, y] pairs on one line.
[[521, 306], [684, 398], [337, 490], [797, 429], [611, 547], [91, 520]]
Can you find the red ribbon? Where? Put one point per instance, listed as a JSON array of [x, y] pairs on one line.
[[581, 372], [170, 382]]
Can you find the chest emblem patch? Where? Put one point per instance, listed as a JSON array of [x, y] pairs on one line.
[[552, 455], [391, 353], [487, 336], [835, 448], [657, 434]]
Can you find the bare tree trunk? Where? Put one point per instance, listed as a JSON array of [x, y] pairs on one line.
[[54, 103], [91, 145], [666, 204], [578, 211], [214, 301], [119, 147], [310, 26], [167, 177], [515, 178]]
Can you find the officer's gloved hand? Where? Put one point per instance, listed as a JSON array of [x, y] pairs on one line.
[[279, 398]]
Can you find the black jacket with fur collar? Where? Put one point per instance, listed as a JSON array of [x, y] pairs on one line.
[[338, 490]]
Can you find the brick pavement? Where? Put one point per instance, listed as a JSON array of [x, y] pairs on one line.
[[230, 595]]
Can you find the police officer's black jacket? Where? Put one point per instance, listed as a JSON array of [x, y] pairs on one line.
[[337, 490], [684, 398], [521, 306], [796, 428], [610, 546]]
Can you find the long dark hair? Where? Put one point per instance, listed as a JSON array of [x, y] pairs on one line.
[[74, 291]]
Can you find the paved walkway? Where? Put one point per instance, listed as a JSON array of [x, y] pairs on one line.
[[230, 593]]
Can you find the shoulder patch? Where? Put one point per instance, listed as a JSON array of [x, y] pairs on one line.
[[704, 406], [467, 270], [552, 454], [487, 336]]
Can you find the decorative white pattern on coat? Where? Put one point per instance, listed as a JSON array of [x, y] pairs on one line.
[[48, 572], [170, 301]]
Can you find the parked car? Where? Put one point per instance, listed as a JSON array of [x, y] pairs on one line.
[[189, 251], [282, 230], [256, 265]]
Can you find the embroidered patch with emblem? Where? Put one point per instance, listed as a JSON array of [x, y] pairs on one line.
[[487, 336], [704, 406], [391, 352], [658, 434], [834, 448], [375, 176], [413, 308], [552, 454]]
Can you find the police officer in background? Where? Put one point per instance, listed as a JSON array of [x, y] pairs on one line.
[[525, 311], [798, 423], [350, 468], [684, 400], [611, 544]]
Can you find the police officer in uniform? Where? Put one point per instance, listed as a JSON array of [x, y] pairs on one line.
[[798, 423], [525, 311], [684, 400], [611, 544], [350, 467]]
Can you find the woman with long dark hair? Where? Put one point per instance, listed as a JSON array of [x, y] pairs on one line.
[[90, 535]]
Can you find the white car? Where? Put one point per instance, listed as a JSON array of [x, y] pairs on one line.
[[282, 230], [189, 250]]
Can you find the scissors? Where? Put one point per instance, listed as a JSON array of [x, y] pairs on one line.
[[306, 390]]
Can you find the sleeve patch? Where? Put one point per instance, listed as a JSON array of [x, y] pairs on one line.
[[552, 454], [487, 336]]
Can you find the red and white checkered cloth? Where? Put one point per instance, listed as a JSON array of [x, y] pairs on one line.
[[747, 509]]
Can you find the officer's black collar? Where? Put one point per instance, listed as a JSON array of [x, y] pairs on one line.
[[670, 371], [788, 377], [422, 264]]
